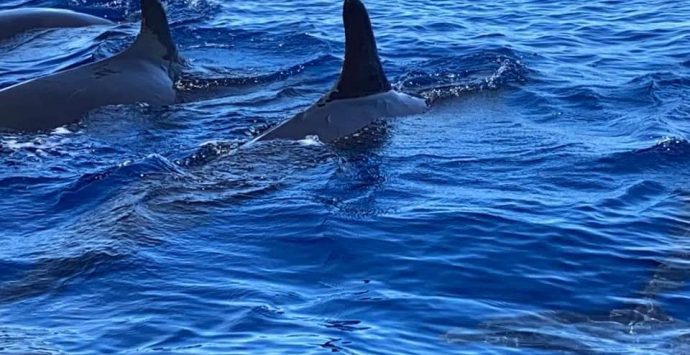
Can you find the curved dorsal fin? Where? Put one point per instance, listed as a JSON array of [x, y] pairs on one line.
[[362, 73], [154, 40]]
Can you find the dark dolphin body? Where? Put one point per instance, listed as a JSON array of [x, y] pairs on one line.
[[14, 22], [143, 73], [362, 94]]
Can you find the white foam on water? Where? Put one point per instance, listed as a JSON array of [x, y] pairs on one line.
[[309, 141], [61, 131]]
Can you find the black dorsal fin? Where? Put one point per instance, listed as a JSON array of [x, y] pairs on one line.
[[362, 73], [154, 39]]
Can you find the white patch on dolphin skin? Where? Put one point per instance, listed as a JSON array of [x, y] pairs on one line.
[[341, 118]]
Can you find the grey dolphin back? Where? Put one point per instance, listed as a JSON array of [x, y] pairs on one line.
[[154, 40], [362, 73], [143, 73], [14, 22], [361, 96]]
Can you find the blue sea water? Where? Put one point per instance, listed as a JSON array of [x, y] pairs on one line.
[[541, 207]]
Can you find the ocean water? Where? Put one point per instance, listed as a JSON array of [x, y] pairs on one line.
[[542, 206]]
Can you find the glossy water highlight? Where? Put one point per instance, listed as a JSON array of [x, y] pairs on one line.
[[541, 206]]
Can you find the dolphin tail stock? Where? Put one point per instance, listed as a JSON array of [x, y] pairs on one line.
[[362, 73], [155, 41]]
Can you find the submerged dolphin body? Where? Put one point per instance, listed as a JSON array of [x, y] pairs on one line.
[[14, 22], [143, 73], [361, 96]]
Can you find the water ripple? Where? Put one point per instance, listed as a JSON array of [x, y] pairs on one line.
[[540, 206]]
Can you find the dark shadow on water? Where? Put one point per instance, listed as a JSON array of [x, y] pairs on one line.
[[641, 326], [106, 237], [48, 276]]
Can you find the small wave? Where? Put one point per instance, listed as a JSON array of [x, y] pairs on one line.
[[44, 52], [14, 340], [95, 187], [653, 88], [580, 96], [208, 152], [621, 331], [224, 174], [217, 78], [213, 150], [669, 147], [48, 275], [669, 151], [486, 70], [49, 144], [122, 10]]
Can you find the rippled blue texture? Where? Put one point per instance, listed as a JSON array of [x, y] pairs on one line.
[[544, 209]]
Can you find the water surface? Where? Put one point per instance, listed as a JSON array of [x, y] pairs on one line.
[[544, 209]]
